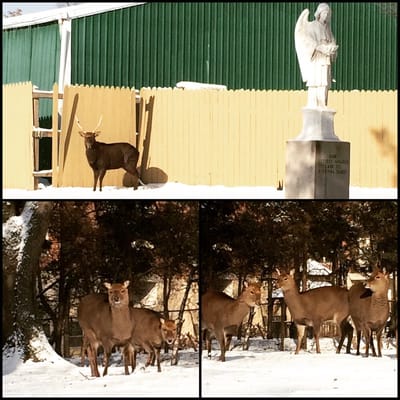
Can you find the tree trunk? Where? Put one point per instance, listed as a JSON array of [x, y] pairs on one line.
[[23, 237], [175, 358], [166, 294]]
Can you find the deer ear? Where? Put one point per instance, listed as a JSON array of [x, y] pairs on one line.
[[82, 133], [292, 271], [245, 284], [277, 271], [126, 284], [107, 285], [162, 320]]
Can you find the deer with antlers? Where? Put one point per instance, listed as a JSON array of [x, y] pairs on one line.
[[105, 156]]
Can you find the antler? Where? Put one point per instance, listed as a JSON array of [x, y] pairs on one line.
[[79, 125], [101, 118]]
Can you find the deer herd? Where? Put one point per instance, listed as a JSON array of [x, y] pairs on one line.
[[366, 306], [110, 320]]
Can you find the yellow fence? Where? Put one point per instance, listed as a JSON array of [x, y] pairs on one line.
[[117, 107], [239, 137], [17, 136], [208, 137]]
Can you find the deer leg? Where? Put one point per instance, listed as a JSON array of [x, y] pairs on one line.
[[107, 355], [378, 341], [157, 353], [148, 348], [371, 343], [228, 340], [358, 341], [133, 359], [105, 361], [208, 342], [207, 339], [128, 357], [368, 336], [350, 331], [221, 340], [95, 178], [345, 330], [92, 355], [300, 334], [84, 349], [102, 173], [342, 335], [316, 328]]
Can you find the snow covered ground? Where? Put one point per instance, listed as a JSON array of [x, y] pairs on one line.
[[58, 377], [174, 190], [262, 371]]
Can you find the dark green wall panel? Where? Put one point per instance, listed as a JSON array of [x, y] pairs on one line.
[[241, 45], [33, 54]]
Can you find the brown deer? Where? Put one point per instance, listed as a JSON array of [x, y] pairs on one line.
[[369, 310], [313, 307], [150, 331], [105, 322], [221, 315], [105, 156]]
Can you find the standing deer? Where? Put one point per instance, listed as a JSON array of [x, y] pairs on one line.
[[150, 332], [369, 310], [222, 315], [105, 322], [105, 156], [313, 307]]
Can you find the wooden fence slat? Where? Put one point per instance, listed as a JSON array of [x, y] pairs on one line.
[[18, 161]]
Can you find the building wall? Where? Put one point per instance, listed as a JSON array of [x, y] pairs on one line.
[[240, 45], [33, 54]]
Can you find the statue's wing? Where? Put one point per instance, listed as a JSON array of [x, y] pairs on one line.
[[304, 43]]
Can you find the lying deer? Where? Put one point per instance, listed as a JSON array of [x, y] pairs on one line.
[[313, 307], [105, 156], [369, 310], [221, 315]]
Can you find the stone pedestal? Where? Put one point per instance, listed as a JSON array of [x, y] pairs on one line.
[[318, 124], [317, 161]]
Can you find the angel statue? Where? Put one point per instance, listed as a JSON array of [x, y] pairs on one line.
[[316, 50]]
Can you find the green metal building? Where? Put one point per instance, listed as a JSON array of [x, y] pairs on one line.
[[240, 45]]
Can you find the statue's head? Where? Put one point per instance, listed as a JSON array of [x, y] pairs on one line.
[[323, 7]]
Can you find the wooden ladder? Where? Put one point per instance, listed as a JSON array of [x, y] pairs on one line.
[[39, 133]]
